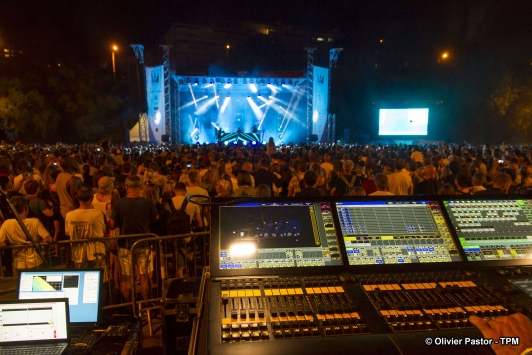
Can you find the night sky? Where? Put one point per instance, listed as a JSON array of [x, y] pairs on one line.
[[484, 38], [88, 28]]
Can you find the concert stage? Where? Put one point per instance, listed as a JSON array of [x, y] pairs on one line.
[[269, 107]]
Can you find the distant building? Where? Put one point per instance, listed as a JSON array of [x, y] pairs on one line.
[[229, 44], [11, 53]]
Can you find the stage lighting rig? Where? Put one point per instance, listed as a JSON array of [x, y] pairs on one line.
[[189, 80]]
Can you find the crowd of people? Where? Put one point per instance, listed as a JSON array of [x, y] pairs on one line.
[[93, 190]]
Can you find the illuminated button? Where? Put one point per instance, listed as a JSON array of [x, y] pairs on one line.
[[278, 333]]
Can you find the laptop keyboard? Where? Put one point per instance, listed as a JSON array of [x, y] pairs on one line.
[[42, 350], [84, 339]]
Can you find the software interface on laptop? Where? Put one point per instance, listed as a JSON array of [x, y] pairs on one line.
[[33, 320], [81, 287]]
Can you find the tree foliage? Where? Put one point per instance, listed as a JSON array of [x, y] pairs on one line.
[[26, 110], [511, 101], [70, 103]]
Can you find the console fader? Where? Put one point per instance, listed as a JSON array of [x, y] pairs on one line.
[[377, 313]]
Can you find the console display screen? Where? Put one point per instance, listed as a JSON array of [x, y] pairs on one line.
[[492, 229], [395, 232], [280, 235]]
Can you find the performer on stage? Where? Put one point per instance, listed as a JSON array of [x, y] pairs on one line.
[[270, 147]]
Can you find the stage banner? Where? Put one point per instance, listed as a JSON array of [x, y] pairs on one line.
[[155, 98], [320, 101]]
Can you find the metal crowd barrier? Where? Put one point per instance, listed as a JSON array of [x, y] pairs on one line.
[[161, 255]]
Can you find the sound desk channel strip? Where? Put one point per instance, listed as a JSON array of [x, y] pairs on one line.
[[286, 307]]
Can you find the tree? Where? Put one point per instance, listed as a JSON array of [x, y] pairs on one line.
[[26, 110], [511, 103]]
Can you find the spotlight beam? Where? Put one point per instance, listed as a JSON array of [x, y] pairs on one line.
[[256, 110], [192, 93], [288, 107], [269, 104], [216, 96], [224, 105], [192, 102], [205, 106]]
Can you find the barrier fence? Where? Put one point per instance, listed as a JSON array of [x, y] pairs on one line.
[[162, 254]]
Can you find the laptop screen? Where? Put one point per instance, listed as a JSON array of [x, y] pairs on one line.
[[81, 287], [34, 320]]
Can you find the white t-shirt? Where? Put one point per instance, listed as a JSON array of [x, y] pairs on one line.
[[86, 224], [27, 257], [19, 177]]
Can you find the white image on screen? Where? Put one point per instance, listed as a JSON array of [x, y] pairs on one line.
[[403, 121]]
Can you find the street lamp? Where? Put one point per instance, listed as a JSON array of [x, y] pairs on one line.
[[115, 48]]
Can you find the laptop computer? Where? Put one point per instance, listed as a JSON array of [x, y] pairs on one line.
[[82, 287], [38, 326]]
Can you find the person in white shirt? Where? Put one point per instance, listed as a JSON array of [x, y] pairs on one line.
[[326, 165], [400, 183], [85, 223], [25, 258], [381, 181], [26, 173]]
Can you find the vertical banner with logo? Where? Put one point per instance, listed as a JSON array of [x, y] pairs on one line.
[[155, 98], [320, 101]]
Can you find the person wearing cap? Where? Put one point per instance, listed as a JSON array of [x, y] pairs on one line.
[[103, 196]]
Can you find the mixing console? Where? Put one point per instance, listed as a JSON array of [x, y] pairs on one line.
[[379, 276], [259, 312]]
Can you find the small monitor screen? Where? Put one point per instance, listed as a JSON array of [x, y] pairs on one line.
[[81, 287], [277, 235], [493, 229], [403, 122], [395, 232]]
